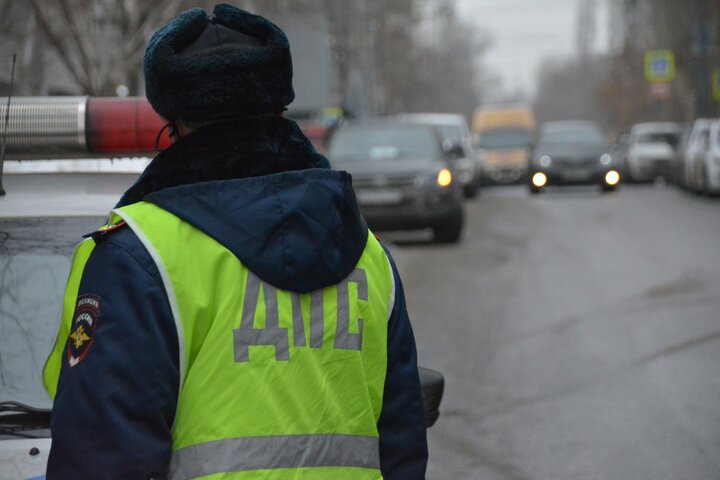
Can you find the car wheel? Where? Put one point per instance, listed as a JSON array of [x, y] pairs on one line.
[[534, 190], [470, 191], [608, 188], [450, 230], [628, 177], [705, 182]]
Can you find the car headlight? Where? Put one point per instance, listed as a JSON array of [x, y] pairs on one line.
[[612, 178], [539, 180], [437, 178], [605, 159], [444, 178], [545, 161]]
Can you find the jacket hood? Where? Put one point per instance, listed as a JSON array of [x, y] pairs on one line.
[[260, 190]]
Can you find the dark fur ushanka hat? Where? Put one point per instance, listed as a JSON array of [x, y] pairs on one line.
[[193, 74]]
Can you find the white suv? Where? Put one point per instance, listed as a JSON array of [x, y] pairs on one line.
[[651, 150]]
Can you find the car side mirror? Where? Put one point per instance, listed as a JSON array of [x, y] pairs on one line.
[[453, 149], [433, 385]]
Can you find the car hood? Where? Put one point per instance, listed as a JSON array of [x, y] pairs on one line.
[[16, 461], [391, 168]]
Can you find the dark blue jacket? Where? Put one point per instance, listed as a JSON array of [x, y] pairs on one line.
[[262, 191]]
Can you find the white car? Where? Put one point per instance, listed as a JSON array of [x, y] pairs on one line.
[[456, 137], [47, 208], [710, 173], [694, 155], [651, 150]]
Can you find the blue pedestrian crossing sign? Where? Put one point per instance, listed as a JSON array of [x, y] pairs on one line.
[[659, 66]]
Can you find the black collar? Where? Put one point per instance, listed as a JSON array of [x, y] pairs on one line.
[[238, 148]]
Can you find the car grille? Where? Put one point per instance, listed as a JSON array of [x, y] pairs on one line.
[[571, 163], [384, 181]]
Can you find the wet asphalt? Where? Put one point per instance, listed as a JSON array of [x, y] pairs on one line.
[[579, 335]]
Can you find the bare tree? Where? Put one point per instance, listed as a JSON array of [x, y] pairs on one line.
[[381, 60], [100, 42], [382, 53], [449, 75]]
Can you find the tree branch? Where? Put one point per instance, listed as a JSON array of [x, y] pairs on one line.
[[78, 42], [57, 44], [137, 42]]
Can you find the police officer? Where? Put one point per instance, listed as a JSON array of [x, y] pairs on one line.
[[235, 317]]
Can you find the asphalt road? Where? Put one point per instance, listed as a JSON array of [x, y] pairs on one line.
[[579, 335]]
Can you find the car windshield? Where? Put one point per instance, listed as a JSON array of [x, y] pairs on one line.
[[583, 137], [35, 255], [450, 133], [504, 138], [671, 138], [384, 142]]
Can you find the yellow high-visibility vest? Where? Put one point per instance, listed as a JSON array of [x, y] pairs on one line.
[[273, 384]]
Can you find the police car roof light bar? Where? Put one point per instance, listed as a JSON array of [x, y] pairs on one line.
[[7, 123], [61, 127]]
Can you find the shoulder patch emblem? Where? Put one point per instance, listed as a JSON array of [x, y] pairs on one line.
[[82, 332]]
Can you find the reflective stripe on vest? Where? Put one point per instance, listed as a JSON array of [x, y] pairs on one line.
[[298, 377], [281, 451], [51, 370]]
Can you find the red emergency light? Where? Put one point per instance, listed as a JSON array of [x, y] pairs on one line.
[[123, 125]]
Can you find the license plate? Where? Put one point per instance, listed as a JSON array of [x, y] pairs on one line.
[[378, 197], [577, 174]]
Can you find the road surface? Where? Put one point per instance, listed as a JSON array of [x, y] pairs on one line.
[[579, 335]]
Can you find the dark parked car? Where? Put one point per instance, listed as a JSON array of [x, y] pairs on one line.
[[402, 177], [572, 153]]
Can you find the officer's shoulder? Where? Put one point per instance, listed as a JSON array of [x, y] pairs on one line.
[[107, 231], [118, 238]]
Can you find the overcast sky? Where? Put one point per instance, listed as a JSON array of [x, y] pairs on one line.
[[524, 32]]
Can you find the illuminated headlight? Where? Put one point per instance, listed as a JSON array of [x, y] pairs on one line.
[[539, 180], [605, 159], [545, 161], [612, 178], [444, 178]]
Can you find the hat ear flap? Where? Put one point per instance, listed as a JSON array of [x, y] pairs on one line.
[[162, 50]]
